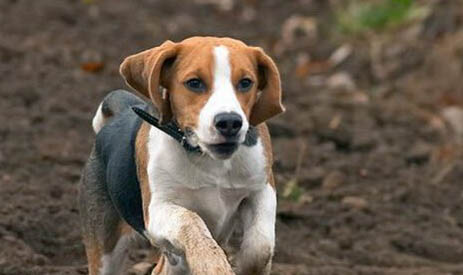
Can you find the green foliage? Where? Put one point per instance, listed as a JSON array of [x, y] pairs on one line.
[[292, 191], [362, 16]]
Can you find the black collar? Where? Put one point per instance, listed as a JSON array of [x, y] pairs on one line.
[[170, 128]]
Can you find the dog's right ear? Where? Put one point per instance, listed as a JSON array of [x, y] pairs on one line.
[[144, 72]]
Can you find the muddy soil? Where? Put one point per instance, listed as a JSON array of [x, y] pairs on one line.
[[368, 155]]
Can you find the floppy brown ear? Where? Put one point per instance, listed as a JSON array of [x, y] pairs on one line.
[[268, 104], [143, 72]]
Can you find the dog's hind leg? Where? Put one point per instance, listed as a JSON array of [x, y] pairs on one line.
[[105, 235], [115, 250], [108, 256]]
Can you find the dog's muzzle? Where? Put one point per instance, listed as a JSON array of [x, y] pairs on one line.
[[228, 125]]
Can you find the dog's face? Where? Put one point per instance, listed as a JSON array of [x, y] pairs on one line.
[[214, 88]]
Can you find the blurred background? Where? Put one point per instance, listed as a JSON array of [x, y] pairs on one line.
[[369, 158]]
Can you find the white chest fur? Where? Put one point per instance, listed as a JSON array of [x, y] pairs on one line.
[[213, 189]]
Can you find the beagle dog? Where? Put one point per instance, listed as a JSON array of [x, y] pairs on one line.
[[209, 207]]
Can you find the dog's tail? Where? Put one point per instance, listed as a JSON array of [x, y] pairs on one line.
[[112, 105]]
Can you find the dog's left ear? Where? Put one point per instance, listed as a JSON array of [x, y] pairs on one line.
[[268, 103], [145, 72]]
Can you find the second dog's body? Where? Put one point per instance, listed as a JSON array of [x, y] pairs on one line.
[[199, 209]]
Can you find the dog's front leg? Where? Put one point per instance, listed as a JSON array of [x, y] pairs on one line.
[[256, 250], [187, 245]]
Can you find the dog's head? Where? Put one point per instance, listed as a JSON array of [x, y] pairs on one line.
[[214, 88]]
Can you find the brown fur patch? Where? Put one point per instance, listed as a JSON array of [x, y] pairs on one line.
[[194, 60], [94, 253], [124, 229], [141, 159], [203, 254], [244, 65], [267, 143]]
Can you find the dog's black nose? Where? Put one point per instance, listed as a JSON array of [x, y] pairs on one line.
[[228, 124]]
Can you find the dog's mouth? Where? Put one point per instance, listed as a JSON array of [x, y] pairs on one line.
[[223, 150]]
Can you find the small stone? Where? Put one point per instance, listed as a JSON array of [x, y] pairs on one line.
[[333, 180], [316, 80], [10, 238], [359, 97], [454, 117], [340, 54], [305, 199], [363, 172], [342, 81], [248, 14], [355, 202], [142, 268], [299, 27], [6, 177]]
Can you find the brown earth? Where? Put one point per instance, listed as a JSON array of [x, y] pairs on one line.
[[368, 155]]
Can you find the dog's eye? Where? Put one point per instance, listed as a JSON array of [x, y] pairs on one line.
[[245, 85], [195, 85]]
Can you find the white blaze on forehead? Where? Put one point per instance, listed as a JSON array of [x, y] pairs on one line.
[[223, 97]]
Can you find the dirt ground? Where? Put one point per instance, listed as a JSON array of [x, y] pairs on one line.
[[369, 156]]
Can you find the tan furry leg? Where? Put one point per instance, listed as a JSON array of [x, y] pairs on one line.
[[160, 266], [94, 255]]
